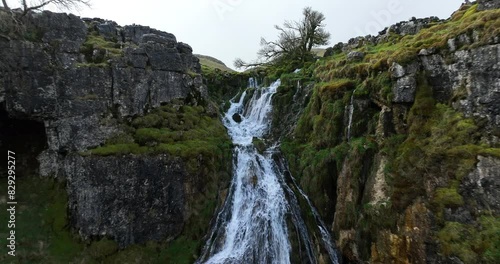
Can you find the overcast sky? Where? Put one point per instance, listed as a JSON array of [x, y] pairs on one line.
[[227, 29]]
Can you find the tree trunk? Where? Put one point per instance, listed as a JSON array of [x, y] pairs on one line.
[[5, 5]]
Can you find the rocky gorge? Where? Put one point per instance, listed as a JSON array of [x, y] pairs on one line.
[[123, 158]]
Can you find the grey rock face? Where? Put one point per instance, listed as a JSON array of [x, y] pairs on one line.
[[405, 86], [131, 199], [411, 27], [397, 71], [160, 39], [404, 90], [483, 185], [473, 76], [108, 29], [50, 79], [488, 4], [135, 34]]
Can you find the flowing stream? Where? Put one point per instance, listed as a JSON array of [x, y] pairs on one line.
[[261, 220], [351, 113]]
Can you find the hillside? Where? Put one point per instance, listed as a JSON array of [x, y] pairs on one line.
[[396, 140], [213, 63]]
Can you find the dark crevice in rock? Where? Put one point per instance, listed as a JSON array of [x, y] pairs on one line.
[[24, 137]]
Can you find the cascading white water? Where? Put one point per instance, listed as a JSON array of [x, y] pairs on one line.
[[252, 83], [252, 224], [351, 113]]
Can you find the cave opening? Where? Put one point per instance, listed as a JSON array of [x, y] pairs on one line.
[[26, 138]]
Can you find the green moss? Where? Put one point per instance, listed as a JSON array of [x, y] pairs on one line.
[[192, 74], [178, 130], [335, 86], [102, 248], [448, 197], [494, 152], [98, 51], [150, 120], [120, 138], [455, 240], [472, 244]]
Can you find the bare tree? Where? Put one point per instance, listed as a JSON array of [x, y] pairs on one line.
[[295, 40], [28, 6]]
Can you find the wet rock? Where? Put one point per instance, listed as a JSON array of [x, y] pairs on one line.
[[237, 118]]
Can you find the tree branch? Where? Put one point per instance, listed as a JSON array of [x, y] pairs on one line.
[[5, 5]]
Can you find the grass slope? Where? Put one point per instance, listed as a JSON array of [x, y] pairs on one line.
[[214, 63]]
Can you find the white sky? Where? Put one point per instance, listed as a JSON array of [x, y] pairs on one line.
[[227, 29]]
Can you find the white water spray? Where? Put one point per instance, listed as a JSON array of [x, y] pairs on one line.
[[253, 224]]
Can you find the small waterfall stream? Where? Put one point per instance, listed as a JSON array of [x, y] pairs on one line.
[[350, 109], [261, 213]]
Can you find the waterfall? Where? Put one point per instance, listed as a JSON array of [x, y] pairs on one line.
[[351, 113], [261, 210], [252, 82]]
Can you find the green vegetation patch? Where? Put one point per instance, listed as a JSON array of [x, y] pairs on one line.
[[440, 141], [42, 232], [98, 50], [472, 244], [178, 130]]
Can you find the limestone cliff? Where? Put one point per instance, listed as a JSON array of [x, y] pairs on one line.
[[395, 138], [121, 117]]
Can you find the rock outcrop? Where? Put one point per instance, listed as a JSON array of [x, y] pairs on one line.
[[399, 148], [84, 79]]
